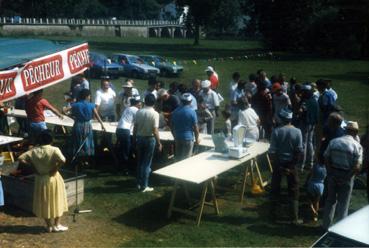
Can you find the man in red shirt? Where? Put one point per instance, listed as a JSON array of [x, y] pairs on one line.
[[35, 106], [212, 77]]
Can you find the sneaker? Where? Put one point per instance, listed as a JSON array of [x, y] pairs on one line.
[[138, 187], [60, 228], [49, 229], [148, 189]]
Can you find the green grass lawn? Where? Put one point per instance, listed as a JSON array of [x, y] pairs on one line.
[[126, 217]]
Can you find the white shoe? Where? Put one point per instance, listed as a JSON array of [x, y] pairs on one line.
[[138, 187], [148, 189], [60, 228]]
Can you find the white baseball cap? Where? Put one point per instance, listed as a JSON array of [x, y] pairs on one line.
[[205, 84], [186, 97], [209, 68]]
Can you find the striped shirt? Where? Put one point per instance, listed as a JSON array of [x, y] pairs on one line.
[[211, 99], [344, 152]]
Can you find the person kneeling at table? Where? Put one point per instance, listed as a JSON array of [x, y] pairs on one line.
[[49, 196]]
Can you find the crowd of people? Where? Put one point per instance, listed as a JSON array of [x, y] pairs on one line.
[[302, 121]]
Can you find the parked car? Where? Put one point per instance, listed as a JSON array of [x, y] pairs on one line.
[[103, 66], [166, 67], [134, 66]]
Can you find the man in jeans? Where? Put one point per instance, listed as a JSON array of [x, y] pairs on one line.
[[147, 135], [343, 157], [184, 128], [285, 151]]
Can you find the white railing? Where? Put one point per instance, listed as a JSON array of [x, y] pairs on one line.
[[73, 21]]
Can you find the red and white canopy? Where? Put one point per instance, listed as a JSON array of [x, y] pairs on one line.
[[43, 72]]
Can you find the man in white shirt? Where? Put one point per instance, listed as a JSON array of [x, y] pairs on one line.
[[104, 100], [124, 96], [125, 130], [146, 133], [234, 82], [211, 100], [152, 85]]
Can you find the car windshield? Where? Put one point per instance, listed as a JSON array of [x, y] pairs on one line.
[[162, 60], [135, 60], [95, 56]]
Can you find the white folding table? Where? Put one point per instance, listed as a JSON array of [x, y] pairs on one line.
[[201, 169], [110, 127], [6, 141]]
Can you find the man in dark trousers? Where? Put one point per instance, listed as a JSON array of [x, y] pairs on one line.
[[343, 157], [184, 128], [286, 150]]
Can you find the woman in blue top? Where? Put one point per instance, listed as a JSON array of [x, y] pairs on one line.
[[83, 112]]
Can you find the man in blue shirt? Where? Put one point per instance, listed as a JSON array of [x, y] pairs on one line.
[[327, 99], [184, 128], [285, 152]]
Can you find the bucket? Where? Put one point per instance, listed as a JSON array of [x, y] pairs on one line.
[[6, 156]]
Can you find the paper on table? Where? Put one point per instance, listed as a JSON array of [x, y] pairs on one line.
[[48, 113]]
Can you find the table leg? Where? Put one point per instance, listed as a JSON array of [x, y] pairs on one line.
[[262, 184], [252, 171], [187, 194], [269, 163], [245, 181], [64, 130], [202, 202], [10, 153], [172, 199], [212, 188]]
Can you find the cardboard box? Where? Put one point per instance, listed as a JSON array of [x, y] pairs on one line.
[[18, 191]]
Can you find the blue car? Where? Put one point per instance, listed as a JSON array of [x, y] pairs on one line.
[[103, 66], [134, 66]]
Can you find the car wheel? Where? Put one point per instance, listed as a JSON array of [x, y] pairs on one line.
[[94, 74], [134, 74], [164, 73]]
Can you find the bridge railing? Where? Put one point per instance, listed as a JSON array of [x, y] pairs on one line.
[[94, 22]]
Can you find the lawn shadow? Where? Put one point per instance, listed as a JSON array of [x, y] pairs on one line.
[[284, 230], [149, 217], [359, 76], [17, 212], [228, 219], [22, 229], [124, 185], [182, 51]]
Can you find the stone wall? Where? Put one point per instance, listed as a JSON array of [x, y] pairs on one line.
[[74, 30]]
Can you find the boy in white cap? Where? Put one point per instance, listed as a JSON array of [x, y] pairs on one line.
[[343, 158], [211, 100], [285, 153], [184, 128]]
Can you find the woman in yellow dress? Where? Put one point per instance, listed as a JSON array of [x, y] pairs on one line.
[[49, 196]]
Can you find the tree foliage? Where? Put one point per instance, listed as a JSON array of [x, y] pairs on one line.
[[335, 27], [219, 15]]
